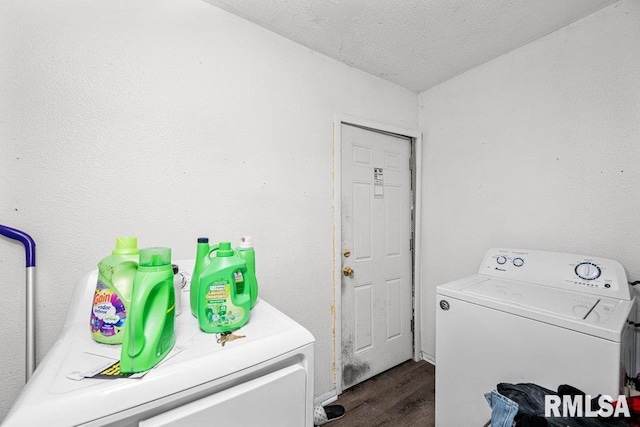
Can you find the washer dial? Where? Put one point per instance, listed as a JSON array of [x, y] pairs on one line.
[[518, 262], [501, 259], [588, 271]]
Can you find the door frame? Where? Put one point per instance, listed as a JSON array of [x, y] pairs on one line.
[[416, 175]]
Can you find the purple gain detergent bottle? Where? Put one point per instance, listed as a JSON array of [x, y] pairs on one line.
[[112, 295]]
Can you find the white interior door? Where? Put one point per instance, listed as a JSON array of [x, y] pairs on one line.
[[377, 310]]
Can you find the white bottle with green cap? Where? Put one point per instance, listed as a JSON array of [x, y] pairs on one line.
[[112, 295]]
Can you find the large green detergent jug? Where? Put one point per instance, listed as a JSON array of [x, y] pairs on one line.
[[246, 252], [150, 331], [112, 295], [221, 308]]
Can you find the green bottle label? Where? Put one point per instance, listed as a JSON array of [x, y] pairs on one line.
[[220, 310]]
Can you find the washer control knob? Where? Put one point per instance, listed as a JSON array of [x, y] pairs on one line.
[[588, 271], [501, 259], [518, 262]]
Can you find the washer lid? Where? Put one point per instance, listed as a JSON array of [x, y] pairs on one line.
[[557, 302], [586, 313]]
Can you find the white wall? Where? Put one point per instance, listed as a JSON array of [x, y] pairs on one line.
[[168, 120], [537, 149]]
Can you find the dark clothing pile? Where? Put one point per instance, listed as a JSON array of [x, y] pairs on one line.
[[524, 406]]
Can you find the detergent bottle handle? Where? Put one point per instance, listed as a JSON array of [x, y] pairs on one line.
[[135, 324], [212, 249], [244, 269]]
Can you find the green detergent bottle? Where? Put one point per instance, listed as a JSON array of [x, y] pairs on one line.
[[203, 250], [112, 295], [246, 252], [150, 331], [221, 308]]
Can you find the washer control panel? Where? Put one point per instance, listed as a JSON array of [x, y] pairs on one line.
[[504, 260], [581, 273]]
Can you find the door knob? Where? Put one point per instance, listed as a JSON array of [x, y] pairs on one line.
[[347, 271]]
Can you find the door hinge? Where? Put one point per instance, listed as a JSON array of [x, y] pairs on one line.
[[411, 244], [412, 325]]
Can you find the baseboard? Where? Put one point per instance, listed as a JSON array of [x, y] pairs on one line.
[[428, 358], [326, 398]]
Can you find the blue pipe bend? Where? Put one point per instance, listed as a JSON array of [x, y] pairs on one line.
[[25, 239]]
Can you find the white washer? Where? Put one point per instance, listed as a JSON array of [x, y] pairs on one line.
[[531, 317], [265, 378]]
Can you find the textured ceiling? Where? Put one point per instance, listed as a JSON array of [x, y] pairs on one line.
[[414, 43]]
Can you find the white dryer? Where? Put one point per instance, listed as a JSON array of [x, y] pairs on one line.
[[536, 317], [265, 378]]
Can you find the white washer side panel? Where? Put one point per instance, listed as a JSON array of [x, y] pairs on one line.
[[479, 347], [276, 399], [260, 381]]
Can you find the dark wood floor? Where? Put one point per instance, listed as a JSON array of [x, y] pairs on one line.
[[402, 396]]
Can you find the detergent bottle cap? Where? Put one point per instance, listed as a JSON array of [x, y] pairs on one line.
[[246, 242], [203, 240], [155, 257], [225, 249], [126, 246]]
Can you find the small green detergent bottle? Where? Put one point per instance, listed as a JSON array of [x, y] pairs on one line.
[[246, 252], [203, 250], [112, 295], [221, 308], [150, 331]]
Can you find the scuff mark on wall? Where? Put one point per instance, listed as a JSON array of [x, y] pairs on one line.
[[334, 368]]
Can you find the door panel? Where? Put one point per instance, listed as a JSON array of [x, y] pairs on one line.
[[363, 316], [376, 233]]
